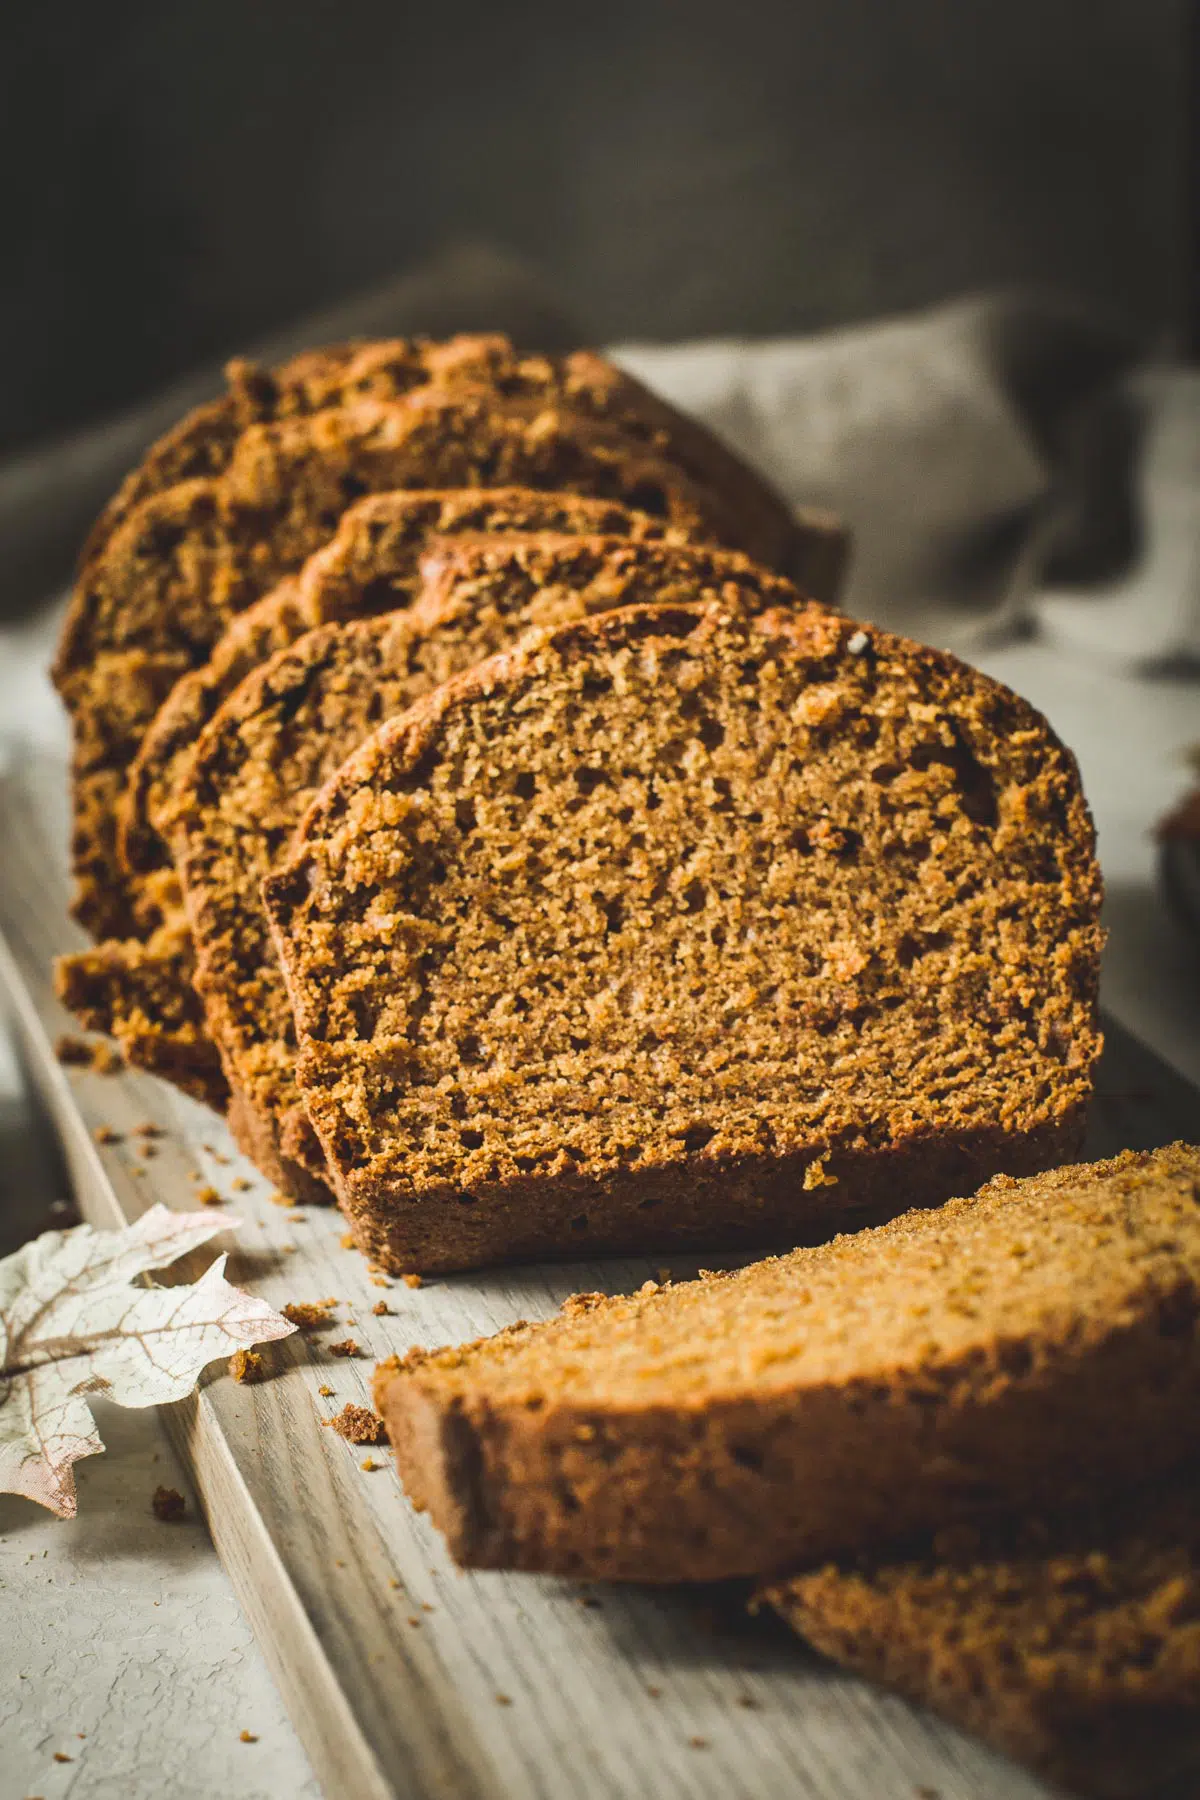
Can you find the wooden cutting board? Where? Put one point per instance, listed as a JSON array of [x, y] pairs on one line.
[[404, 1676]]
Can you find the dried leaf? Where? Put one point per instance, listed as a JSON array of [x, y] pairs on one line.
[[73, 1324]]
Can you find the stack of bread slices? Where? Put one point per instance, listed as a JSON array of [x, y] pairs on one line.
[[478, 799]]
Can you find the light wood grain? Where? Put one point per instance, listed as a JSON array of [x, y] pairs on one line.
[[391, 1662]]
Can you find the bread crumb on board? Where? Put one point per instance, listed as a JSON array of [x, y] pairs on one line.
[[104, 1134], [247, 1366], [358, 1425], [208, 1196], [369, 1463], [168, 1505], [381, 1309], [248, 1737], [309, 1315], [346, 1347]]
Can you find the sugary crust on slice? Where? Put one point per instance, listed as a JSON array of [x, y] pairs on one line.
[[1007, 995], [1028, 1348], [289, 725], [1071, 1643]]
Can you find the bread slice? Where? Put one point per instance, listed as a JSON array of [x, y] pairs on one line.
[[1073, 1644], [1027, 1347], [290, 725], [678, 929]]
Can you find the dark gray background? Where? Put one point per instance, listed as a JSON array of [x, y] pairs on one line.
[[181, 177]]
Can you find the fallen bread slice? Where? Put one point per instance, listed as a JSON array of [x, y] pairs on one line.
[[152, 602], [1024, 1347], [675, 928], [288, 727], [1074, 1644]]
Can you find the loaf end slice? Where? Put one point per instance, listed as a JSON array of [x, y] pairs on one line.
[[1027, 1348], [678, 929], [1073, 1644]]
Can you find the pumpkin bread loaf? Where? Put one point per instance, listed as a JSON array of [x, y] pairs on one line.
[[290, 724], [669, 928], [1024, 1348], [1073, 1644]]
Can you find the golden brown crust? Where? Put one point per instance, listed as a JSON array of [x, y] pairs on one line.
[[1026, 1348], [845, 922], [290, 724], [1071, 1643]]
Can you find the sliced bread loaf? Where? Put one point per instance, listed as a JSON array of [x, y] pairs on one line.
[[1072, 1644], [151, 604], [291, 724], [1027, 1347], [670, 928]]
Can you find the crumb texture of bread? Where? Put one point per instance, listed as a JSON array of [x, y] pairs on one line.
[[288, 727], [1024, 1349], [672, 927], [160, 587], [1072, 1644]]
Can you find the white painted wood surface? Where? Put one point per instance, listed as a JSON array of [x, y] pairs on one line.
[[405, 1677]]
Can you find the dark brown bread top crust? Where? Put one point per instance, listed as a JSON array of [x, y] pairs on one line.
[[1072, 1644], [150, 606], [369, 566], [748, 920], [1028, 1347], [292, 722]]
